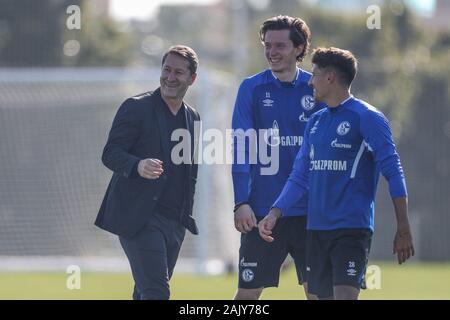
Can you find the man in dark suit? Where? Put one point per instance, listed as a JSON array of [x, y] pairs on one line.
[[149, 200]]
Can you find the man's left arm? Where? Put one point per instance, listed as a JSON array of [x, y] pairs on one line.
[[124, 133], [403, 244], [378, 135], [193, 177]]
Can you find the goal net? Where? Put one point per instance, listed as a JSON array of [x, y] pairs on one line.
[[53, 127]]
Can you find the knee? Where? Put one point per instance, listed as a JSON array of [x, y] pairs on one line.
[[248, 294]]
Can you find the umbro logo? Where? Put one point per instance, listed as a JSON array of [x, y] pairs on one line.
[[268, 102], [351, 272]]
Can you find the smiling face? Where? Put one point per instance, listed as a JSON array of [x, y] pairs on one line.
[[280, 51], [319, 82], [175, 77]]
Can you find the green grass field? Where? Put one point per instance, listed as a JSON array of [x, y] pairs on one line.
[[411, 281]]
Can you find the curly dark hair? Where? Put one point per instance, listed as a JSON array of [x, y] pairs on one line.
[[299, 31]]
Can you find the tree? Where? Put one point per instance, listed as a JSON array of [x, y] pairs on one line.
[[34, 33], [31, 32]]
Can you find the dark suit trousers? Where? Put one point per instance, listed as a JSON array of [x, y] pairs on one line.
[[152, 254]]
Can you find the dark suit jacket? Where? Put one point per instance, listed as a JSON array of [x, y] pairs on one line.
[[139, 132]]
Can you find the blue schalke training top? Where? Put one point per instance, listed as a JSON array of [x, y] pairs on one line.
[[281, 110], [344, 150]]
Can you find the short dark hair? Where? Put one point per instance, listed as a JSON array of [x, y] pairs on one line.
[[184, 52], [342, 61], [299, 32]]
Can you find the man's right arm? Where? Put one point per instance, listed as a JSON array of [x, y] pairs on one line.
[[242, 121], [403, 243], [122, 136], [297, 184], [378, 136], [295, 188]]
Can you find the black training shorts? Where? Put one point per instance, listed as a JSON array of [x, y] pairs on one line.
[[260, 261], [336, 257]]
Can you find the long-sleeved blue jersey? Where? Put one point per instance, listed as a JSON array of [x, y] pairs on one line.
[[283, 109], [344, 150]]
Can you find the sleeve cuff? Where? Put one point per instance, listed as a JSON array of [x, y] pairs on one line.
[[397, 187], [134, 170]]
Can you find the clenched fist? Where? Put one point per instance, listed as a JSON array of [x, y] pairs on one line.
[[150, 168]]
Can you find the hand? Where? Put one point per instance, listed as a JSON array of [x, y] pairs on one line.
[[244, 219], [267, 224], [150, 168], [403, 245]]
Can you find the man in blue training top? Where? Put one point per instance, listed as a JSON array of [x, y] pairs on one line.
[[345, 147], [275, 104]]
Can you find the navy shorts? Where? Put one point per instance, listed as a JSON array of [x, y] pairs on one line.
[[260, 262], [336, 257]]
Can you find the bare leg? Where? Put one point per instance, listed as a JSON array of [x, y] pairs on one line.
[[346, 293], [248, 294], [309, 296]]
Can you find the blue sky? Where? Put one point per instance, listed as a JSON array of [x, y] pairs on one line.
[[142, 9]]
